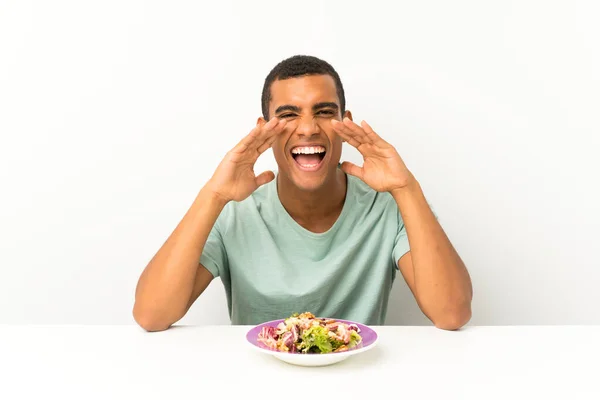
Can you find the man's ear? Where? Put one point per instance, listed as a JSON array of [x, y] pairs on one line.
[[261, 121]]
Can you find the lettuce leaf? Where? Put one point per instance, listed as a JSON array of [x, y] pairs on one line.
[[355, 339], [316, 340]]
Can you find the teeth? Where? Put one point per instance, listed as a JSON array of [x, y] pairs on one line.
[[308, 150], [309, 165]]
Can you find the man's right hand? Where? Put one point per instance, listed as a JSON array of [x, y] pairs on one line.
[[234, 178]]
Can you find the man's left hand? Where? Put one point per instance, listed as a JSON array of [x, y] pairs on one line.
[[383, 168]]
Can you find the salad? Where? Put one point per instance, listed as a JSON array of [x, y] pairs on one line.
[[305, 333]]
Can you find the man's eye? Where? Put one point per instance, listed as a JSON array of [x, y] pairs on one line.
[[328, 113], [286, 115]]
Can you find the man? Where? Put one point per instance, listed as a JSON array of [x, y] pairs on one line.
[[321, 237]]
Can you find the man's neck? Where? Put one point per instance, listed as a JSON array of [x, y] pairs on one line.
[[316, 211]]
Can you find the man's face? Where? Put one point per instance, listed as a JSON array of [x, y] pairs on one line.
[[309, 151]]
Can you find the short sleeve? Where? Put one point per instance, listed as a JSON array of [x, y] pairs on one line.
[[401, 244], [214, 256]]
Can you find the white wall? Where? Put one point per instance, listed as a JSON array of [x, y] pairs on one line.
[[114, 114]]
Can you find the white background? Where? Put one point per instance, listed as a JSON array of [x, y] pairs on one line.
[[113, 114]]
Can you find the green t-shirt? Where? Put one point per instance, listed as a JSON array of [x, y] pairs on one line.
[[272, 267]]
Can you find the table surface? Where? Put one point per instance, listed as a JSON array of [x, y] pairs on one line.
[[114, 362]]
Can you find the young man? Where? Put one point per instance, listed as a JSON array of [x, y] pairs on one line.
[[320, 237]]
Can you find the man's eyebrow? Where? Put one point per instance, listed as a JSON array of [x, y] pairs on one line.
[[326, 104], [287, 107]]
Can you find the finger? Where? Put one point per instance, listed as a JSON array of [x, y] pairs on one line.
[[265, 146], [253, 139], [357, 131], [264, 178], [272, 128], [269, 135], [352, 169], [340, 127], [350, 139], [375, 138], [248, 140], [277, 131]]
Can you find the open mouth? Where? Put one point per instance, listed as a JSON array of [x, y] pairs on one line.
[[309, 158]]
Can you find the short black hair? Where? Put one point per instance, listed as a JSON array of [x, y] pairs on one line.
[[300, 65]]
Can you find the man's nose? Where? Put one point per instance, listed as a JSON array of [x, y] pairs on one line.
[[307, 126]]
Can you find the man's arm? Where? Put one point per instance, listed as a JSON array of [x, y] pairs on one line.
[[164, 291], [174, 279], [433, 270]]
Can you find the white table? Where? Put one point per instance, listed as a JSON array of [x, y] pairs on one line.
[[124, 362]]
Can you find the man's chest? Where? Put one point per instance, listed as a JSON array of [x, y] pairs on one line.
[[295, 265], [274, 282]]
